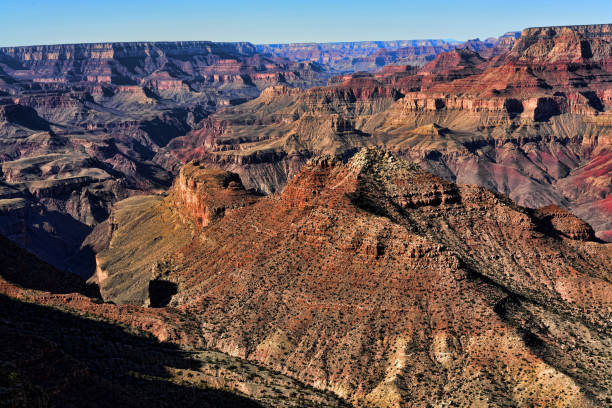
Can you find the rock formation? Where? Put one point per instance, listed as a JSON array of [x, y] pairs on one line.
[[390, 286]]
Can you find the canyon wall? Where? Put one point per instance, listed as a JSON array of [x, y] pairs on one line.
[[533, 123], [81, 123]]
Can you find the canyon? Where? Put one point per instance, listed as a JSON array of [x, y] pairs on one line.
[[81, 123], [532, 123], [369, 224]]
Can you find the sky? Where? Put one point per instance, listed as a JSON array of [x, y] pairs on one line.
[[29, 22]]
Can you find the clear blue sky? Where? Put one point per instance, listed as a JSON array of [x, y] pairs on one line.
[[26, 22]]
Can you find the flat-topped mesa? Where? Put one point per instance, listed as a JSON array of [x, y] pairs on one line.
[[203, 195], [63, 52], [528, 109], [565, 44]]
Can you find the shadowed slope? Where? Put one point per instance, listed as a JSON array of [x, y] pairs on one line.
[[66, 349], [53, 358]]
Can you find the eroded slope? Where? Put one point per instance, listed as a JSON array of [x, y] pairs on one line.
[[391, 286], [63, 348]]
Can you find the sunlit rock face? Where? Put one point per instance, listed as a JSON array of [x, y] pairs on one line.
[[382, 283]]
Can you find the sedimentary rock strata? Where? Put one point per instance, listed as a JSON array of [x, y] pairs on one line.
[[532, 123], [80, 124]]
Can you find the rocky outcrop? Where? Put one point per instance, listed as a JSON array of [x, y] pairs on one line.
[[563, 222], [205, 195], [384, 284]]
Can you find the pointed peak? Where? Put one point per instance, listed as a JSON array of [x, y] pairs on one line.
[[432, 129], [376, 159]]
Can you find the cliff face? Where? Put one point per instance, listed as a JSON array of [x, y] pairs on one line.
[[198, 198], [160, 66], [535, 127], [391, 286], [570, 44], [205, 195]]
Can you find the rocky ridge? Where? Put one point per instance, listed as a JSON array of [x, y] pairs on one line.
[[392, 287]]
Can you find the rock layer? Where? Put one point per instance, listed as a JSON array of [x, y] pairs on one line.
[[533, 123], [80, 124]]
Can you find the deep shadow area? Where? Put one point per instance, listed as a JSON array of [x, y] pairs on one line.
[[53, 358], [165, 128], [20, 267], [594, 101], [585, 49], [546, 109], [161, 292], [25, 116], [514, 107], [53, 236]]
